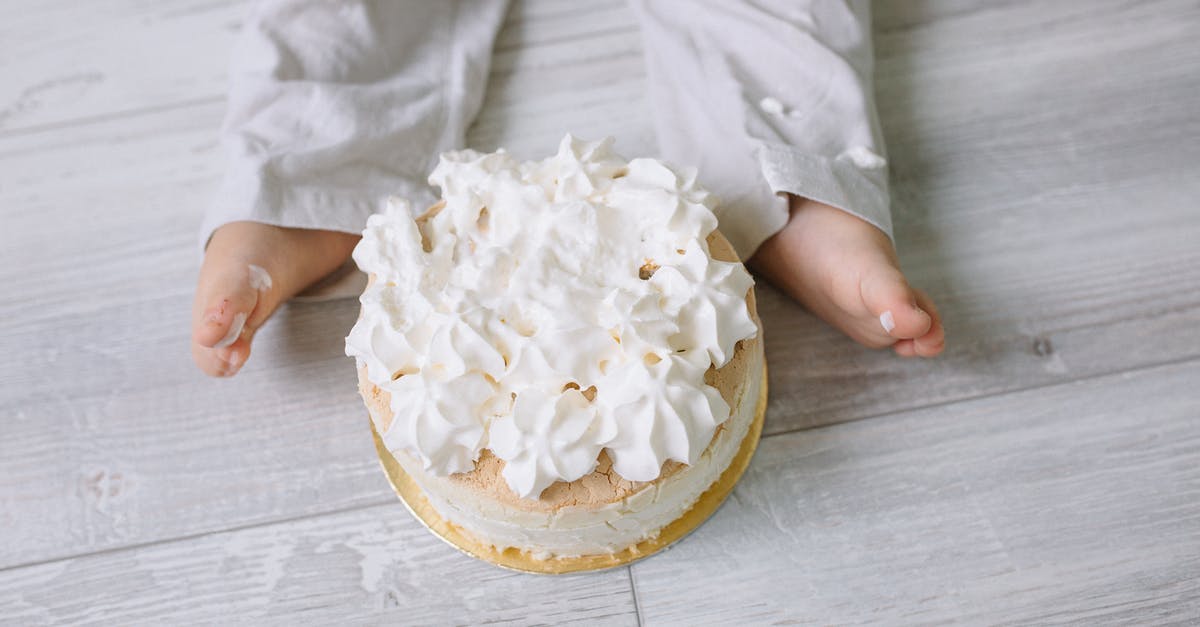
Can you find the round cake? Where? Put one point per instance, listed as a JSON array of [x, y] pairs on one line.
[[563, 355]]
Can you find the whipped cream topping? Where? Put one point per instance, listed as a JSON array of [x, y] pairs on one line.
[[548, 311]]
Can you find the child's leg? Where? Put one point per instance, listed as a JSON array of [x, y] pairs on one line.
[[772, 100], [333, 107]]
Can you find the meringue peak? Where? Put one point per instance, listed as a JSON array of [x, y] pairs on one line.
[[538, 279]]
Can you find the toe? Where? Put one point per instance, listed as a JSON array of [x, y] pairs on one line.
[[894, 304], [229, 307], [221, 362], [222, 322], [226, 299], [905, 348], [933, 341]]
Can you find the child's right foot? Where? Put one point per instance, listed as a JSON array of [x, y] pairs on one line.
[[845, 271], [249, 270]]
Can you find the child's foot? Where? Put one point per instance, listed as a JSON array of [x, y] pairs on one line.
[[845, 271], [249, 270]]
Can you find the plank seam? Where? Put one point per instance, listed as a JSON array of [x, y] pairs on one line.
[[108, 117], [987, 395], [637, 604], [392, 501], [203, 534]]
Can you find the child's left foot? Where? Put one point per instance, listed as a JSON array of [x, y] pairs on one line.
[[845, 271], [249, 270]]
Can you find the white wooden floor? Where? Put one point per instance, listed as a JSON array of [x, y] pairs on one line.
[[1045, 470]]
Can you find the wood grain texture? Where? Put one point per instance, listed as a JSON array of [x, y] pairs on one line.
[[370, 565], [1044, 179], [67, 62], [111, 437], [1001, 510], [139, 447], [1044, 191], [818, 376]]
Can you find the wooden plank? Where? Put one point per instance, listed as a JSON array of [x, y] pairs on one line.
[[67, 61], [366, 565], [1046, 205], [107, 307], [1053, 258], [1076, 503], [62, 69]]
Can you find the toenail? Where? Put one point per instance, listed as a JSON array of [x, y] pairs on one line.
[[888, 321], [235, 360], [235, 331]]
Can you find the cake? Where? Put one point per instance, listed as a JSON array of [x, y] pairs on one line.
[[563, 355]]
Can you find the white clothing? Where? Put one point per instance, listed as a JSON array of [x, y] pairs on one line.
[[335, 105], [765, 97]]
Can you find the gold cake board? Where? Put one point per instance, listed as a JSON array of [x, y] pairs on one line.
[[512, 558]]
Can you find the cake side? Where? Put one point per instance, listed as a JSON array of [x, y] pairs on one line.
[[572, 530]]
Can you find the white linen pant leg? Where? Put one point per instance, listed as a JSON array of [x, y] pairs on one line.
[[766, 97], [335, 105]]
